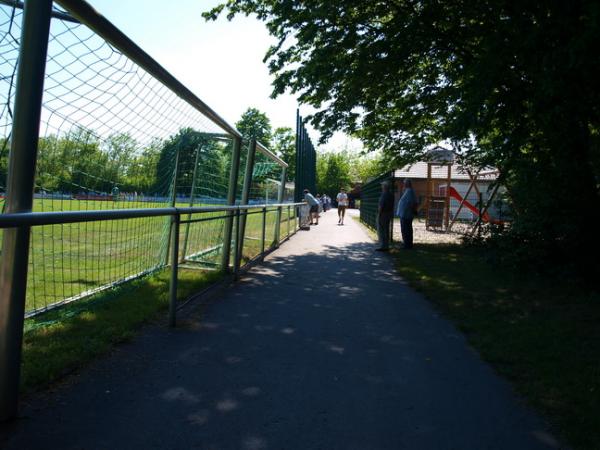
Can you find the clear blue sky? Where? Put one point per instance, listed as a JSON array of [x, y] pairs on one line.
[[220, 61]]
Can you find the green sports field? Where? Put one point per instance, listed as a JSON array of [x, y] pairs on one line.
[[71, 259]]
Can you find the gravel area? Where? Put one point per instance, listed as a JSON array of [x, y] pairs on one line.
[[422, 235]]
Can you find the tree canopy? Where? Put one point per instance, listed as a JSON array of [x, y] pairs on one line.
[[284, 146], [508, 84], [333, 172], [255, 124]]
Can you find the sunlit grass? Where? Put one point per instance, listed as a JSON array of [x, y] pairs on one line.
[[63, 340], [66, 260]]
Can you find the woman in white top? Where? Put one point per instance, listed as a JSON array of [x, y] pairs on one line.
[[342, 199]]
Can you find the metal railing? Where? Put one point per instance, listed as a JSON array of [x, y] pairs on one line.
[[23, 221], [240, 212], [19, 218]]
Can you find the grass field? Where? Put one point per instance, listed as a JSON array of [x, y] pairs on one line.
[[67, 260]]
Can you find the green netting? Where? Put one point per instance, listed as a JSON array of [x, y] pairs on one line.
[[369, 198], [264, 189], [306, 161], [111, 137]]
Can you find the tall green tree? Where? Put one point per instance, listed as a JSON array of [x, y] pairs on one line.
[[333, 172], [284, 146], [509, 84], [255, 124], [190, 146], [120, 150], [364, 167], [141, 176]]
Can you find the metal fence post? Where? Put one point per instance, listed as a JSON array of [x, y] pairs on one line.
[[20, 185], [173, 203], [264, 232], [236, 253], [187, 227], [279, 208], [393, 192], [288, 221], [246, 195], [175, 221], [233, 180]]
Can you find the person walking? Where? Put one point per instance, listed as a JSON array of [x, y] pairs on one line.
[[326, 201], [314, 207], [321, 204], [406, 210], [385, 211], [342, 201]]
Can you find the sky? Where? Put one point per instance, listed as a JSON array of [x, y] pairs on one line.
[[221, 62]]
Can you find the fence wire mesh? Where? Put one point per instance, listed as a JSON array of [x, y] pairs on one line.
[[112, 136], [264, 189], [369, 198]]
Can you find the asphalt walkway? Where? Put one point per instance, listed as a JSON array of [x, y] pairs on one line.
[[322, 347]]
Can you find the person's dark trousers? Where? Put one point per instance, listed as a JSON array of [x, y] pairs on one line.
[[383, 230], [407, 232]]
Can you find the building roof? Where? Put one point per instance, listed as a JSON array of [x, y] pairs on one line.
[[459, 173]]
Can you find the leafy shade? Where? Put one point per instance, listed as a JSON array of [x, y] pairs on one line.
[[511, 84]]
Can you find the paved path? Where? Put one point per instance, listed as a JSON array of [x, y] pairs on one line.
[[323, 347]]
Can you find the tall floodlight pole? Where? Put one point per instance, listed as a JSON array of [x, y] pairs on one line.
[[232, 190], [19, 198], [298, 181]]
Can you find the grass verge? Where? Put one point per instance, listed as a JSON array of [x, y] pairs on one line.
[[540, 334], [58, 342]]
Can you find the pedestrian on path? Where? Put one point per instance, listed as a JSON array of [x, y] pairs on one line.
[[321, 203], [342, 201], [385, 211], [314, 207], [406, 210]]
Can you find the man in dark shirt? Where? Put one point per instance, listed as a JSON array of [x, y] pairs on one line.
[[385, 212]]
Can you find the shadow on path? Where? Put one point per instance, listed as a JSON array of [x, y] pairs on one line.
[[322, 347]]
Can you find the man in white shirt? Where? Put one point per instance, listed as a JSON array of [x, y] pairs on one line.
[[342, 200]]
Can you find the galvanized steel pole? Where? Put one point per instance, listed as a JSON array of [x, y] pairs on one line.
[[173, 203], [194, 179], [245, 196], [279, 209], [236, 258], [175, 220], [264, 232], [298, 178], [233, 181], [20, 185]]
